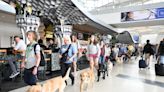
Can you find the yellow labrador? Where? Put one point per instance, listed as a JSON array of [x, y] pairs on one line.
[[87, 79], [51, 85]]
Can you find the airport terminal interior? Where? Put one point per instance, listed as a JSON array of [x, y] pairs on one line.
[[81, 45]]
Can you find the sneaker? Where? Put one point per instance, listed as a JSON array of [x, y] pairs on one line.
[[13, 75]]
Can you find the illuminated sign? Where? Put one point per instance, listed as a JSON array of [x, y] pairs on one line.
[[148, 14]]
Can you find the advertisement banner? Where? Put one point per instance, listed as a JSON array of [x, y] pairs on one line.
[[148, 14]]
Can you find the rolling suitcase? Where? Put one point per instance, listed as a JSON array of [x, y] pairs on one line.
[[159, 69], [142, 63]]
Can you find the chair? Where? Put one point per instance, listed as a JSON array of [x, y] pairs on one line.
[[2, 53], [20, 69]]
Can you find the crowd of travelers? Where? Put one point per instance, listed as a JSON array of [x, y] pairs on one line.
[[97, 52]]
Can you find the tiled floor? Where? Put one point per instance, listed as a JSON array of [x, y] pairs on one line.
[[124, 78]]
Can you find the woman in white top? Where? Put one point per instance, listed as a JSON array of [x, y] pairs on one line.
[[93, 52]]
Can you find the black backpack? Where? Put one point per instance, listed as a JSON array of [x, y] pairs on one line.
[[64, 55], [42, 60]]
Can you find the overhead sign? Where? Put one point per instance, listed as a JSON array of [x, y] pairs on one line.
[[148, 14], [160, 13]]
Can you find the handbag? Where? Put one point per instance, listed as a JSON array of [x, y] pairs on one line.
[[64, 55]]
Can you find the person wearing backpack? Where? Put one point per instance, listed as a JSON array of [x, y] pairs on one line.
[[66, 54], [148, 51], [32, 60]]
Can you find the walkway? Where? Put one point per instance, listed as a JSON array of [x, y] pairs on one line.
[[124, 78]]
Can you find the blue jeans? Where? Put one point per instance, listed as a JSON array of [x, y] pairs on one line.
[[102, 59]]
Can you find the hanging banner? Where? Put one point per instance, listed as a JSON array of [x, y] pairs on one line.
[[148, 14]]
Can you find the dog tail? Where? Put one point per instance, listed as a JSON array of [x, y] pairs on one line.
[[67, 74]]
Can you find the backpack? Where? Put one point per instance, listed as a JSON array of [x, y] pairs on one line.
[[148, 49], [42, 60]]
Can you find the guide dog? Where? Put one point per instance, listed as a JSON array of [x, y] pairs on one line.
[[51, 85], [87, 79], [104, 68]]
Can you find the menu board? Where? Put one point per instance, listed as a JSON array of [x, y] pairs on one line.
[[55, 62]]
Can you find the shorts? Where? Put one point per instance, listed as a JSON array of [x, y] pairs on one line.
[[29, 78], [93, 56], [147, 56], [75, 59]]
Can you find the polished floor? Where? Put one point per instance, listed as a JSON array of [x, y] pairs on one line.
[[123, 78]]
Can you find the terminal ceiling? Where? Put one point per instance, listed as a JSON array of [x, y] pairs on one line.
[[56, 10]]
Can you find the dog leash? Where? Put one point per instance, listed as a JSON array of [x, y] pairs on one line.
[[41, 87]]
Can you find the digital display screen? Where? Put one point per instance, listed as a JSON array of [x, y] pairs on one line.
[[147, 14]]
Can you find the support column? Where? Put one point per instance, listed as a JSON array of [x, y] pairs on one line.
[[23, 34]]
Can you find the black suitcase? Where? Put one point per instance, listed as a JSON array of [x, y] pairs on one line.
[[159, 69], [142, 63]]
